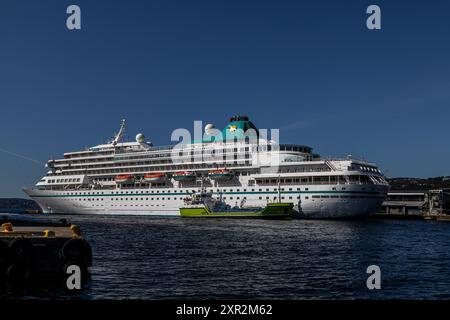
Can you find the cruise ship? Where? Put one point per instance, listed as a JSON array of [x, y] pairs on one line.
[[238, 164]]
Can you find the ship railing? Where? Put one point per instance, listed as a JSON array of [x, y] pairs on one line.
[[158, 148], [348, 158], [309, 183], [302, 170]]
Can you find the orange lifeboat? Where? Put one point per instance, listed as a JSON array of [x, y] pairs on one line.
[[155, 177], [125, 179], [183, 175], [219, 174]]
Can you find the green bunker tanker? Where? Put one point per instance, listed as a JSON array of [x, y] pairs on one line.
[[203, 205]]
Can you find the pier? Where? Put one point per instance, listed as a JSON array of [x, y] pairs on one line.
[[428, 205], [38, 253]]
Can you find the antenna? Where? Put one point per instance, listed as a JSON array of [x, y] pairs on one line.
[[120, 134]]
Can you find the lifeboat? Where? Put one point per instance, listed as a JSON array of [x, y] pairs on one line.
[[183, 176], [155, 177], [125, 179], [220, 174]]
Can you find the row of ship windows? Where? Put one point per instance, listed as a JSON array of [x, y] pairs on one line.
[[64, 180], [103, 164], [216, 161], [328, 179], [354, 167], [199, 165], [345, 197], [323, 179], [236, 173], [183, 153], [90, 165], [237, 198], [294, 148], [175, 198], [124, 205], [187, 191]]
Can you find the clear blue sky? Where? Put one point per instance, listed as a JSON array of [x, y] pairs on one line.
[[310, 68]]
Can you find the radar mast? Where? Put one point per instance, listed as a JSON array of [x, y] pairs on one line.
[[119, 134]]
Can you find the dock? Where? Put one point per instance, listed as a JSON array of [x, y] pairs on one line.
[[420, 205], [40, 253]]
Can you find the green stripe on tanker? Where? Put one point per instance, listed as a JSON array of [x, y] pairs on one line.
[[271, 211]]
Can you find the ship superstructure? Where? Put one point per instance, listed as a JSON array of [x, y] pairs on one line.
[[236, 164]]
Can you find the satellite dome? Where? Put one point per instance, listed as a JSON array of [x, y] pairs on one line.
[[140, 138], [209, 127]]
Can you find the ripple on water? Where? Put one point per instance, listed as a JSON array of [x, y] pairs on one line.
[[160, 258]]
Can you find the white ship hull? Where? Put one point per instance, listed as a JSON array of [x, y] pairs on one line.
[[327, 201]]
